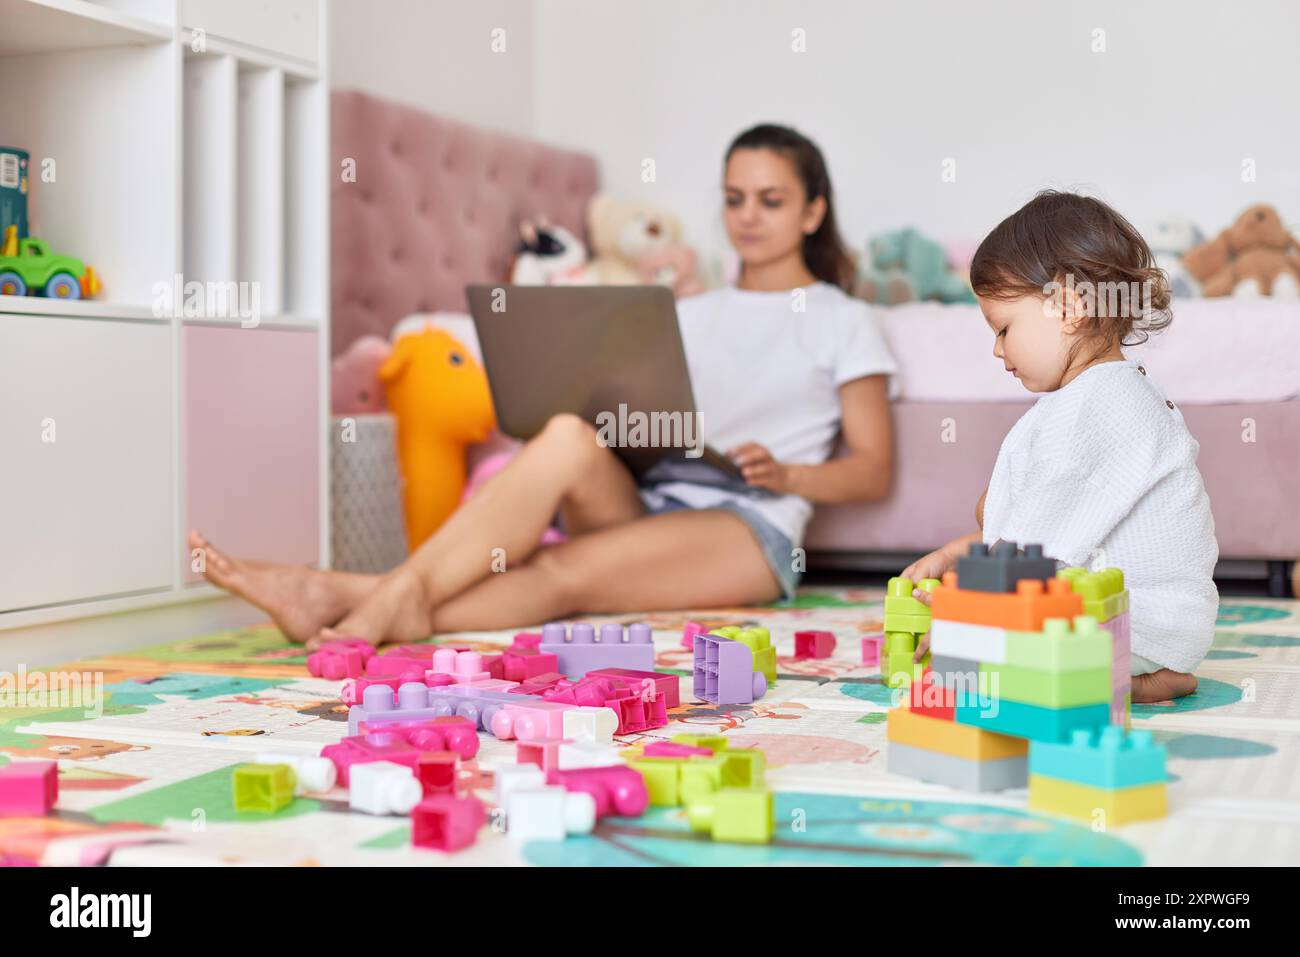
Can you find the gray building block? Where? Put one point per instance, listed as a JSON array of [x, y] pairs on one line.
[[999, 775], [998, 569]]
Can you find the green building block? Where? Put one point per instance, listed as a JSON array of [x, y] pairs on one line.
[[899, 600], [735, 815], [1103, 593], [663, 779], [714, 742], [1058, 647], [1047, 689], [744, 768], [913, 624], [759, 641], [263, 788], [699, 777]]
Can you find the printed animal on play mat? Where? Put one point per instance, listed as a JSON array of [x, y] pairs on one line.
[[191, 686], [440, 397], [68, 749]]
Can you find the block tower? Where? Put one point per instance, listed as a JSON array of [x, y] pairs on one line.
[[906, 620], [1016, 663]]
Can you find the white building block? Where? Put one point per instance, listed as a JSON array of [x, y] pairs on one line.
[[382, 787], [590, 724], [548, 814]]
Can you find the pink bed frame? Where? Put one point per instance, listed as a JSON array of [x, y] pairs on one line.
[[436, 205]]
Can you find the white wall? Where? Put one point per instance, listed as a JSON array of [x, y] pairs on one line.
[[437, 55], [1158, 124]]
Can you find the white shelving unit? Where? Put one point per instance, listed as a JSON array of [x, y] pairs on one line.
[[172, 142]]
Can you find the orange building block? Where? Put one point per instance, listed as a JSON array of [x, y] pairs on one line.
[[903, 726], [1025, 610]]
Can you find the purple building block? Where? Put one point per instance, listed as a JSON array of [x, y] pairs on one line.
[[582, 652], [724, 671], [415, 701]]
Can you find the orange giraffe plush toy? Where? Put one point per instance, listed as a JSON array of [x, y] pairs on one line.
[[440, 397]]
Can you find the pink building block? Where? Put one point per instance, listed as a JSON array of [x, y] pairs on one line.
[[403, 743], [637, 713], [447, 823], [436, 772], [465, 667], [341, 658], [813, 644], [689, 631], [530, 721], [871, 649], [544, 753], [523, 664], [541, 684], [353, 690], [526, 641], [669, 686], [1122, 680], [668, 749], [616, 790], [28, 788]]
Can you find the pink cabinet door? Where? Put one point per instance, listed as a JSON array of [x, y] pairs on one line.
[[252, 437]]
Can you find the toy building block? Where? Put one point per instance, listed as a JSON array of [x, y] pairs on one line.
[[636, 714], [523, 664], [382, 787], [436, 772], [903, 613], [312, 774], [735, 815], [759, 641], [1145, 802], [1047, 689], [263, 788], [1121, 678], [464, 666], [714, 742], [724, 671], [351, 752], [897, 669], [1060, 647], [28, 788], [929, 697], [548, 813], [401, 744], [587, 724], [742, 767], [528, 720], [341, 658], [1000, 568], [646, 682], [667, 749], [587, 754], [579, 652], [904, 726], [616, 789], [1029, 721], [871, 649], [539, 685], [450, 733], [996, 774], [1103, 592], [955, 673], [411, 702], [446, 822], [813, 644], [545, 752], [1113, 759], [959, 639], [511, 776], [1025, 609], [689, 631], [353, 690], [526, 641]]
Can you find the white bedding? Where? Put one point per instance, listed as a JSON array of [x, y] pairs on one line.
[[1216, 351]]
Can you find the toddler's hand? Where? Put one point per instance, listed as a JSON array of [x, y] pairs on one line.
[[760, 469], [929, 566]]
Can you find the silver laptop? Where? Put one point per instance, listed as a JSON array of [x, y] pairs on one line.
[[611, 355]]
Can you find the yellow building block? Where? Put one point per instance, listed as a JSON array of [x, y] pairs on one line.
[[1121, 806], [947, 737]]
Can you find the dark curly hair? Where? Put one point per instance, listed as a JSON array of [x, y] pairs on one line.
[[1061, 240]]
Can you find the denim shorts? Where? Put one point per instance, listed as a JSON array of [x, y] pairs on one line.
[[777, 547]]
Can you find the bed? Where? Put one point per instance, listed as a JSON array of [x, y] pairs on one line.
[[436, 204]]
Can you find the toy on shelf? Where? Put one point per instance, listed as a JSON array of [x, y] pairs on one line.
[[1122, 774], [907, 619], [813, 644], [28, 788], [580, 652], [263, 788], [446, 822], [734, 815], [382, 787], [724, 671], [27, 267]]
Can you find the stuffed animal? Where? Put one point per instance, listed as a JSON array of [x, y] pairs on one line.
[[355, 388], [620, 232], [907, 266], [548, 255], [1254, 256], [440, 398], [671, 266], [1170, 241]]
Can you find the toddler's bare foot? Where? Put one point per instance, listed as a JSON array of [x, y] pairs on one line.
[[398, 609], [300, 600], [1162, 685]]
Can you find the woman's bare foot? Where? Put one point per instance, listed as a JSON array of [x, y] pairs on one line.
[[300, 600], [1162, 685], [398, 609]]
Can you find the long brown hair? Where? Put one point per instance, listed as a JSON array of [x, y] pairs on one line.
[[1059, 236], [824, 253]]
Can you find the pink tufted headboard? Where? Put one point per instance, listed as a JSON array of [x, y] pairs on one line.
[[436, 204]]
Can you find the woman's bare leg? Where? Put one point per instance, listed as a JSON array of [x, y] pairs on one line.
[[685, 559]]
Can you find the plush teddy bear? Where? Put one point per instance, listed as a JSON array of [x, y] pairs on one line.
[[621, 231], [548, 255], [1255, 255], [1170, 241], [671, 266], [355, 388], [907, 266]]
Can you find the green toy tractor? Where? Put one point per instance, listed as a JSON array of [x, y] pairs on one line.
[[27, 266]]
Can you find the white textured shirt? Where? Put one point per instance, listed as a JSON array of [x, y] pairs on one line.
[[767, 367], [1103, 473]]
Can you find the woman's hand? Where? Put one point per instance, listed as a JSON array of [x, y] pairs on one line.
[[760, 469]]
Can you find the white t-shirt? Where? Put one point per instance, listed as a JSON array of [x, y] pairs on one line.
[[763, 372], [1103, 473]]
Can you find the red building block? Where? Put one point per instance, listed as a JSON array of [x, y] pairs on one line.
[[445, 822], [28, 788], [436, 771], [813, 644], [932, 699]]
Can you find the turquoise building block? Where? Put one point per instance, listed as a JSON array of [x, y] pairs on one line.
[[1053, 725], [1112, 759]]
